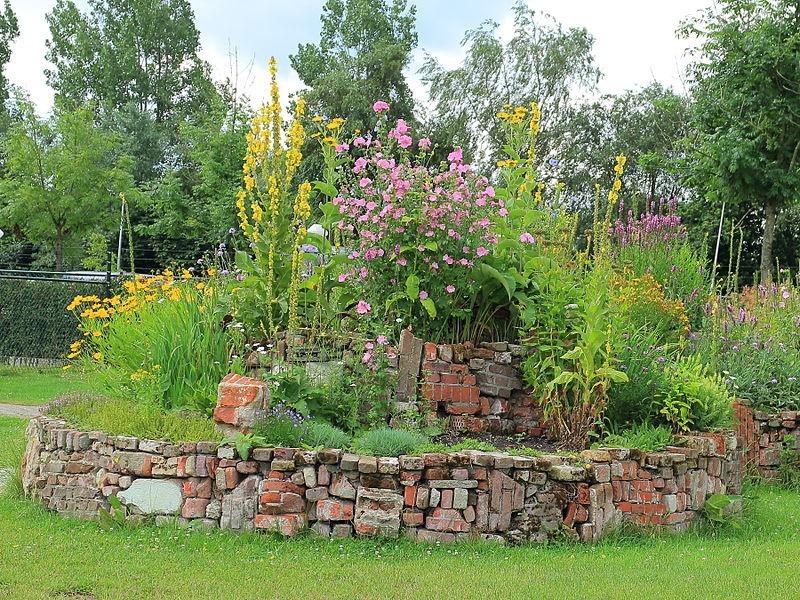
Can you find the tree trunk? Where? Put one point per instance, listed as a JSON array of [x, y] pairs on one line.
[[770, 213], [59, 247]]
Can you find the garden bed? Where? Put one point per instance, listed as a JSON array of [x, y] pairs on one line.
[[436, 496]]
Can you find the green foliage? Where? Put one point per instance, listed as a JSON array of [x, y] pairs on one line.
[[641, 355], [753, 340], [128, 51], [465, 444], [9, 31], [647, 125], [280, 426], [576, 394], [173, 352], [244, 442], [118, 416], [643, 436], [292, 387], [364, 47], [745, 80], [12, 449], [542, 62], [693, 396], [33, 321], [63, 179], [388, 442], [719, 509], [114, 516], [319, 434]]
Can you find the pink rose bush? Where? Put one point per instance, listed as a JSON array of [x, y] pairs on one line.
[[414, 234]]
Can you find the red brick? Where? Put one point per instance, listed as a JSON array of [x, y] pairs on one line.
[[282, 486], [413, 518], [569, 518], [288, 525], [430, 351], [225, 414], [194, 508], [451, 378], [409, 495], [469, 379], [334, 510], [231, 478], [462, 408]]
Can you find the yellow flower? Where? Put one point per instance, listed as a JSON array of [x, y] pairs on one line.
[[200, 285], [66, 367], [174, 294], [97, 355], [316, 119], [211, 272], [96, 334], [335, 123]]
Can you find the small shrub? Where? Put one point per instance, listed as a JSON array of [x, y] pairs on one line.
[[388, 442], [316, 434], [125, 417], [694, 397], [647, 437], [280, 426], [465, 444]]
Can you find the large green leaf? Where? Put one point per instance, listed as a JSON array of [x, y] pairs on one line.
[[412, 287], [489, 272], [429, 306]]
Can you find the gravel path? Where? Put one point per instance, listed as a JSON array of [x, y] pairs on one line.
[[15, 410]]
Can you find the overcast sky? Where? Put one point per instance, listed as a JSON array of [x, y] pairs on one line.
[[635, 40]]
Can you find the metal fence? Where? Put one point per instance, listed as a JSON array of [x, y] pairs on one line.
[[35, 327]]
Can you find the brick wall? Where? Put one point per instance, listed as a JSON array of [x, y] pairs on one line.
[[762, 434], [433, 497]]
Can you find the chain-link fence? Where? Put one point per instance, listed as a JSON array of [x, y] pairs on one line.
[[34, 322]]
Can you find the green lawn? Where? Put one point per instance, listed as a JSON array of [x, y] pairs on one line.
[[45, 556], [26, 385]]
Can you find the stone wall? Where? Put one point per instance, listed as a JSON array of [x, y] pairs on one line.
[[433, 497], [478, 388], [762, 436]]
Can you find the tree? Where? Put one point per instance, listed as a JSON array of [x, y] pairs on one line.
[[542, 63], [9, 30], [143, 52], [62, 180], [648, 126], [191, 208], [363, 49], [746, 93]]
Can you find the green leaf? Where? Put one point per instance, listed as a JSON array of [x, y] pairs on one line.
[[412, 287], [573, 354], [326, 188], [429, 306], [490, 272]]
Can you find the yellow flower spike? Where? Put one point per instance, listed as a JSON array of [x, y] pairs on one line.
[[316, 119]]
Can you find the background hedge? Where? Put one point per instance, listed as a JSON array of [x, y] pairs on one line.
[[34, 321]]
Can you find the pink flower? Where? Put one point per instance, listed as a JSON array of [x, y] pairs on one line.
[[423, 295], [380, 106], [343, 277], [359, 141], [366, 358], [402, 127], [450, 289], [489, 191], [402, 261], [481, 251], [456, 155], [364, 182], [381, 339], [405, 141], [424, 143], [502, 212], [448, 259], [369, 346], [363, 308], [342, 148], [526, 238]]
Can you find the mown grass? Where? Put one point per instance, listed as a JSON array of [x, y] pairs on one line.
[[31, 386], [45, 556]]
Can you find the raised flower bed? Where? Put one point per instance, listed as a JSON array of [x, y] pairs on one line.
[[432, 497]]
